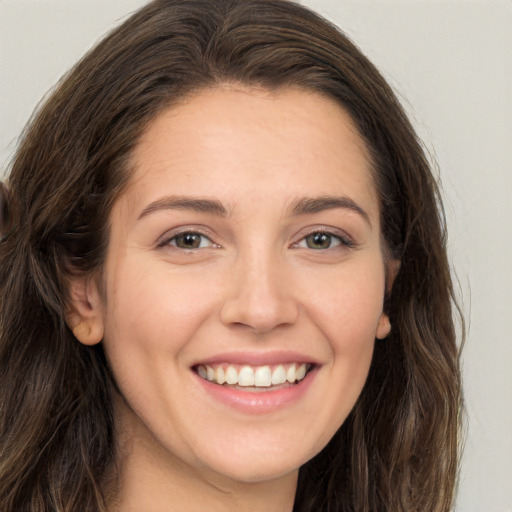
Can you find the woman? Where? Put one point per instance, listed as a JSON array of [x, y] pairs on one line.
[[224, 279]]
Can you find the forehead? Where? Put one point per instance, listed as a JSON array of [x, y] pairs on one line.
[[229, 140]]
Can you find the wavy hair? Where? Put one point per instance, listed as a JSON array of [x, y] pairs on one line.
[[397, 451]]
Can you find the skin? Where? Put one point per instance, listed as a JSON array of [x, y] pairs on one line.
[[256, 284]]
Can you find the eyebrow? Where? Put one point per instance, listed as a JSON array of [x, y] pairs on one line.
[[307, 205], [185, 203], [301, 206]]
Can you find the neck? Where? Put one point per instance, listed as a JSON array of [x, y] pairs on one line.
[[152, 479]]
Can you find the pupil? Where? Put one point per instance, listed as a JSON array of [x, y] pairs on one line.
[[190, 240], [320, 240]]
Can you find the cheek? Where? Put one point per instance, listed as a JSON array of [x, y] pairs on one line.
[[152, 310], [348, 308], [346, 311], [152, 314]]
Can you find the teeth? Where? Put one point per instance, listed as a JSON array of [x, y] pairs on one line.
[[300, 372], [246, 376], [279, 375], [290, 374], [221, 376], [249, 376], [263, 377], [201, 370], [231, 375]]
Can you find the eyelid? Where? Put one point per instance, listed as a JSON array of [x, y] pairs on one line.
[[170, 235], [346, 241]]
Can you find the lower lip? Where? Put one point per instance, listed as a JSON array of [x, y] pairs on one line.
[[257, 402]]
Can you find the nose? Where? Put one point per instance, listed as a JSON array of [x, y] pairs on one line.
[[260, 295]]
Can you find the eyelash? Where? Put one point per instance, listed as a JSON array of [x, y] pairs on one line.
[[344, 241], [168, 240]]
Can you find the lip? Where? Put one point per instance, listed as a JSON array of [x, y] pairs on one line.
[[257, 358], [260, 402]]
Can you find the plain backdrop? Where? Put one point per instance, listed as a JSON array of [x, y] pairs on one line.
[[450, 62]]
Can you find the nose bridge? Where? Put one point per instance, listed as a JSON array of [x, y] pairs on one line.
[[259, 296]]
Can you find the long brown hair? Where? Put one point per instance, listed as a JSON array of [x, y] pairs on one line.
[[397, 451]]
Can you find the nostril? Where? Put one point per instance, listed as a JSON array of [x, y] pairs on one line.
[[261, 316]]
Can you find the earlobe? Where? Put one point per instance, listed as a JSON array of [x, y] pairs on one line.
[[85, 318], [383, 327], [88, 332]]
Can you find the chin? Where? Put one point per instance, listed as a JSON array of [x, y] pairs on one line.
[[245, 461]]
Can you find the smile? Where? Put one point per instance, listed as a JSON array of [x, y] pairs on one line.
[[248, 376]]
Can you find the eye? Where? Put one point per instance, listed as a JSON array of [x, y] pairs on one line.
[[322, 240], [189, 240]]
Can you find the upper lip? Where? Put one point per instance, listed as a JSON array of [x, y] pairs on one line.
[[257, 358]]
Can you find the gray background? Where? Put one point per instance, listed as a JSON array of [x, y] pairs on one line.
[[450, 63]]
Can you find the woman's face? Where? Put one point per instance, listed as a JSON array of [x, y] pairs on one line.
[[246, 249]]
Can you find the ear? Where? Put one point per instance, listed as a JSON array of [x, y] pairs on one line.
[[383, 327], [86, 315]]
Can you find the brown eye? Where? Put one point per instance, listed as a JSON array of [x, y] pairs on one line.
[[190, 241], [321, 240]]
